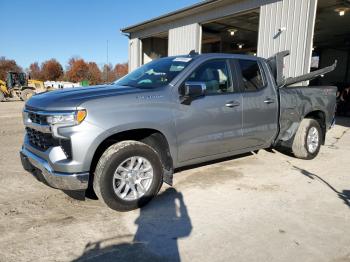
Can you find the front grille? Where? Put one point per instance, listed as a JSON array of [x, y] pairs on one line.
[[37, 119], [39, 140], [43, 141], [66, 147]]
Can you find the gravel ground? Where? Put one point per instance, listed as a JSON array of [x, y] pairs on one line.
[[258, 207]]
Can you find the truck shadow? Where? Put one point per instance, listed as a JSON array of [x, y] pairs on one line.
[[160, 224], [344, 195]]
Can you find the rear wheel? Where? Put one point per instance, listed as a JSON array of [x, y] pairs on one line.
[[26, 94], [308, 139], [128, 175], [2, 97]]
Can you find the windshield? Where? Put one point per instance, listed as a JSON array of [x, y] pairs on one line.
[[155, 74]]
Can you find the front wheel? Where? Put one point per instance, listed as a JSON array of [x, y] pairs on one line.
[[26, 94], [308, 139], [128, 175]]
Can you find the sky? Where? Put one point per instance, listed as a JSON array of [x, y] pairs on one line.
[[38, 30]]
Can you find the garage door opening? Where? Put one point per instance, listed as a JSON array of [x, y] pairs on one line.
[[154, 47], [332, 42], [237, 34]]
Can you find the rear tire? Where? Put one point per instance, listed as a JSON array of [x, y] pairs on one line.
[[2, 97], [26, 94], [308, 139], [115, 174]]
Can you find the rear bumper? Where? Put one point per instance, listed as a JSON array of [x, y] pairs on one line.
[[42, 170]]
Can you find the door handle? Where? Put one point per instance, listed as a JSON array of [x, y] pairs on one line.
[[232, 104], [269, 101]]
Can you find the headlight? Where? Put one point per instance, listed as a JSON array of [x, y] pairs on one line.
[[67, 119]]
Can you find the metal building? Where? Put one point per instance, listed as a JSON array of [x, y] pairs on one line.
[[315, 31]]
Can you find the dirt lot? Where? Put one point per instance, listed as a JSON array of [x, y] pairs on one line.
[[263, 207]]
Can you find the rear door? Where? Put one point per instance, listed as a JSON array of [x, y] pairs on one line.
[[211, 124], [260, 104]]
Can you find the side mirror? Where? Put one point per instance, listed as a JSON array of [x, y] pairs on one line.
[[191, 91]]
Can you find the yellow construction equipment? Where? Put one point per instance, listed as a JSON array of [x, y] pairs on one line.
[[18, 86], [37, 84]]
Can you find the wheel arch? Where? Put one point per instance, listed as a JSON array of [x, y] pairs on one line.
[[152, 137], [320, 117]]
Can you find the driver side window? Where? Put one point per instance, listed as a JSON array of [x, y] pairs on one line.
[[215, 74]]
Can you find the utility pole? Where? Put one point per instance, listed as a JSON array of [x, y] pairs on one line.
[[107, 63]]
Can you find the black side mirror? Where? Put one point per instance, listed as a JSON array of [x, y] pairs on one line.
[[191, 91]]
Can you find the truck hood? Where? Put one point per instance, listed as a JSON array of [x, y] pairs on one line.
[[71, 98]]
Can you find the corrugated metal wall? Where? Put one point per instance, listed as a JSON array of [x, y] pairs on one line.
[[212, 11], [183, 39], [298, 19], [135, 47]]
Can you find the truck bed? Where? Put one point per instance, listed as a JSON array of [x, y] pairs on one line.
[[298, 101]]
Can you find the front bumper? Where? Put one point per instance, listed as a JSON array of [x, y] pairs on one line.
[[42, 170]]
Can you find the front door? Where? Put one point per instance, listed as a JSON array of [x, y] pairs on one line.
[[211, 124]]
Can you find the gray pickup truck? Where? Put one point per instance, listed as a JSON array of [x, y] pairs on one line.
[[125, 139]]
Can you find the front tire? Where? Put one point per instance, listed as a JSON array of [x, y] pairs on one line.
[[308, 139], [128, 175], [26, 94]]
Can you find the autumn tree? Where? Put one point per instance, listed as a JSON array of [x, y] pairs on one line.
[[7, 65], [35, 71], [94, 74], [120, 70], [51, 70], [78, 70]]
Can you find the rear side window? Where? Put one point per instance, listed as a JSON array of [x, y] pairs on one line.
[[253, 79]]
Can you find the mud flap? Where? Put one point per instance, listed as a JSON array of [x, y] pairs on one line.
[[168, 176], [333, 123]]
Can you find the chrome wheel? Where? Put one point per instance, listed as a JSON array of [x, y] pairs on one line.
[[312, 140], [133, 178]]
